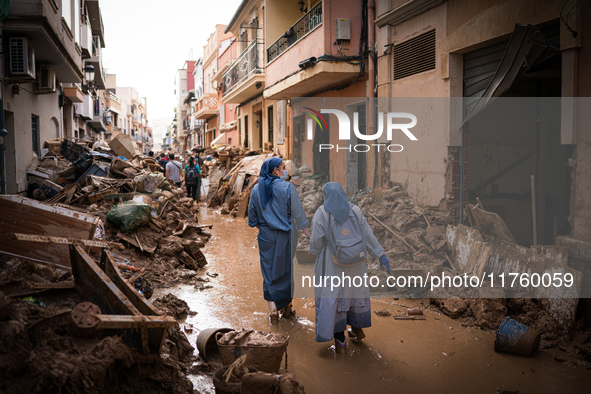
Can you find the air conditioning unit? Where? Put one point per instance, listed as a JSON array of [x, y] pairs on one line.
[[46, 80], [22, 58]]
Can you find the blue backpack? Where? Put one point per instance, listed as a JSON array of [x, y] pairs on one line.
[[346, 242]]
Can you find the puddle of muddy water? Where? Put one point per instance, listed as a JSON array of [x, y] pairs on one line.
[[435, 355]]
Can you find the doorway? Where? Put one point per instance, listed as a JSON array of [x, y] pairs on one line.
[[297, 151], [246, 131], [504, 152], [257, 134], [270, 124]]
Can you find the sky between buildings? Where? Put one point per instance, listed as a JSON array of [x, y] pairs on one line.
[[147, 41]]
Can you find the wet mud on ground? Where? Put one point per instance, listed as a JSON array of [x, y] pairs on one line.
[[438, 354]]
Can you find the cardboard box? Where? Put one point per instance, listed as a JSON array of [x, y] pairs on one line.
[[122, 145]]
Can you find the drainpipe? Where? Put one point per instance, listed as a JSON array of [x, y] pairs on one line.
[[3, 132], [371, 11]]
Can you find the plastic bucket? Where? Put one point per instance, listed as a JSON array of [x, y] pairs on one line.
[[206, 344], [516, 338], [303, 257], [261, 358]]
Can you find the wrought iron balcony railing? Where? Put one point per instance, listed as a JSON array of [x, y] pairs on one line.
[[303, 26], [249, 62]]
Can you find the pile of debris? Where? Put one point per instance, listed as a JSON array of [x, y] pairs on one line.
[[72, 171], [233, 189], [220, 159], [106, 206], [129, 193], [412, 236], [422, 241], [39, 353]]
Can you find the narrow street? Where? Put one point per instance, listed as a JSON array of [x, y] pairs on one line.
[[435, 355], [443, 147]]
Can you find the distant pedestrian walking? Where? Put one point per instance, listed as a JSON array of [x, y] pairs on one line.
[[275, 209], [173, 170], [192, 180], [341, 239], [162, 161]]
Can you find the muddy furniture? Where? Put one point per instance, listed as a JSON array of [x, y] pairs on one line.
[[122, 308], [26, 216]]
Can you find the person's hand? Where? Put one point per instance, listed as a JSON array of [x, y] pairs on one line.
[[385, 263]]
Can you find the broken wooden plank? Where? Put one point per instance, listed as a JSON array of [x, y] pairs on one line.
[[70, 194], [179, 210], [134, 241], [390, 230], [54, 285], [21, 289], [405, 317], [66, 241], [130, 321], [138, 242]]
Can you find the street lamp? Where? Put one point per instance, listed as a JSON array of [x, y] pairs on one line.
[[302, 5], [89, 76]]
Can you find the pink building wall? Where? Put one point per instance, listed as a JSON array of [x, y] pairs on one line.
[[229, 54], [190, 77], [319, 42]]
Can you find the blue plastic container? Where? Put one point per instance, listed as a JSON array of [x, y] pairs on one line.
[[516, 338]]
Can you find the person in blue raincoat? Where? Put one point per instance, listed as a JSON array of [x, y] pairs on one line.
[[275, 209], [342, 305]]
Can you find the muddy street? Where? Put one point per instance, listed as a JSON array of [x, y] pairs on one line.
[[435, 155], [438, 354]]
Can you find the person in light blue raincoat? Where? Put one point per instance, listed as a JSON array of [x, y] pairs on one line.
[[275, 209], [342, 305]]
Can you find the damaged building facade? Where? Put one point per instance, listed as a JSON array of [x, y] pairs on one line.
[[54, 85], [535, 176], [468, 50], [315, 51]]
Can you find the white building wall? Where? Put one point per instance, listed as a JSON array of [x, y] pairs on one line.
[[19, 109]]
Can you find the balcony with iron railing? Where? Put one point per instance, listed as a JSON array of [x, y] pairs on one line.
[[304, 59], [306, 24], [207, 106], [99, 119], [245, 78]]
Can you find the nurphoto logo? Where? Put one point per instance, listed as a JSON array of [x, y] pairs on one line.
[[393, 124]]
